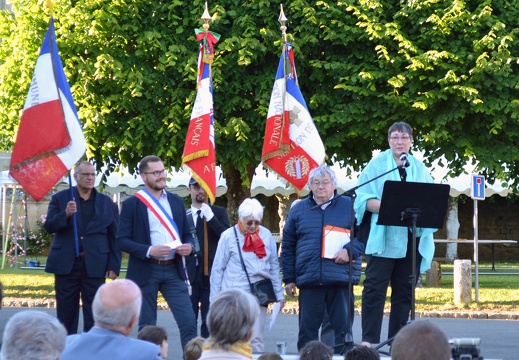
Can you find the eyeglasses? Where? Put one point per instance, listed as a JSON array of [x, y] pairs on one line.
[[156, 173], [253, 222], [324, 183], [87, 174], [397, 138]]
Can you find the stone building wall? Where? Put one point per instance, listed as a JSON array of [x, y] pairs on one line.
[[498, 219]]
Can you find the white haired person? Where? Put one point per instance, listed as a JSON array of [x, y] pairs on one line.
[[33, 335], [116, 309], [253, 243], [231, 320]]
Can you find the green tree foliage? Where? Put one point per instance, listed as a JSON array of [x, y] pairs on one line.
[[449, 68]]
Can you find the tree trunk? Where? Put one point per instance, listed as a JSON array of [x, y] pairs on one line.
[[236, 191], [284, 206], [452, 226]]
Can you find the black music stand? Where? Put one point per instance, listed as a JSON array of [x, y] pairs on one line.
[[413, 204]]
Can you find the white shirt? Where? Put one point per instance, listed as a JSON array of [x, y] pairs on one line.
[[158, 233]]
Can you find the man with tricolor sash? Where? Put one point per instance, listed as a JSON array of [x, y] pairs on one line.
[[154, 231]]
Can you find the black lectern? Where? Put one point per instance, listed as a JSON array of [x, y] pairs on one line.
[[413, 204]]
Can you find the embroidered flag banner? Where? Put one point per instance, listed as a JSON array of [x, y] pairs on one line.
[[292, 145], [199, 150], [50, 139]]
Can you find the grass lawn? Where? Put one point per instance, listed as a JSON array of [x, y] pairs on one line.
[[497, 292]]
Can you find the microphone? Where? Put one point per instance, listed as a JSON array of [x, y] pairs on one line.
[[403, 159]]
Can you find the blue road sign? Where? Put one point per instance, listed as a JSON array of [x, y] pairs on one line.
[[478, 187]]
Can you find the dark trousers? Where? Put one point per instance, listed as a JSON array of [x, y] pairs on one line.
[[312, 305], [167, 280], [380, 272], [200, 299], [68, 289]]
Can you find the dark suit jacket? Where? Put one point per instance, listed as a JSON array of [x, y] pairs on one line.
[[215, 227], [98, 237], [133, 235], [103, 344]]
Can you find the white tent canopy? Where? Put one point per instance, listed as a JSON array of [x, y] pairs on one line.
[[269, 184], [266, 183]]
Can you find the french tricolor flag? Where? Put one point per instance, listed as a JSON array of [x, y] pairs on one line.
[[292, 145], [199, 149], [50, 139]]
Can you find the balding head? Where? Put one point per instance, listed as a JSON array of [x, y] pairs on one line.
[[420, 339], [117, 306]]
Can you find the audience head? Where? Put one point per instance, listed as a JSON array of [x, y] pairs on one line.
[[33, 335], [316, 350], [231, 318], [270, 356], [157, 335], [193, 349], [117, 306], [421, 340], [362, 353]]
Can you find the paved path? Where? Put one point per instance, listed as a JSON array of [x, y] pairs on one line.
[[499, 338]]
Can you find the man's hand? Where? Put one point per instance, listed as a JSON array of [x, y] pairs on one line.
[[71, 208], [341, 257], [160, 251], [206, 211], [281, 304], [111, 275], [291, 289], [184, 249]]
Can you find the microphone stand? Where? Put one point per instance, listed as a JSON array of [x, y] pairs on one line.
[[348, 337]]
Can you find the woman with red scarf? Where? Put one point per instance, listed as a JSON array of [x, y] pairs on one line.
[[259, 252]]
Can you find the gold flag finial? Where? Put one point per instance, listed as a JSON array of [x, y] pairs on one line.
[[282, 20], [206, 17], [50, 6]]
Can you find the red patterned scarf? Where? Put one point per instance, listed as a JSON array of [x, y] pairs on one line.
[[253, 242]]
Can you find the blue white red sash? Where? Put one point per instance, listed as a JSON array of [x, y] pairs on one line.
[[153, 204]]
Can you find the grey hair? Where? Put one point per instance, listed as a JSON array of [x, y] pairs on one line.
[[250, 207], [402, 127], [319, 172], [76, 168], [231, 318], [118, 314], [33, 335]]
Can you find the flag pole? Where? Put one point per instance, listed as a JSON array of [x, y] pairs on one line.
[[282, 20], [74, 223], [50, 6], [206, 17]]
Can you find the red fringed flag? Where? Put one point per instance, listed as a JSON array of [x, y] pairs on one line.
[[292, 145], [50, 139], [199, 149]]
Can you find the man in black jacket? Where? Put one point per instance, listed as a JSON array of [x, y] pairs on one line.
[[80, 265], [209, 222]]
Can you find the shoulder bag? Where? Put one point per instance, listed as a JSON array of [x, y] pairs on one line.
[[263, 289]]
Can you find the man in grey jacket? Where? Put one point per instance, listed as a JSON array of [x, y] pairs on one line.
[[116, 309]]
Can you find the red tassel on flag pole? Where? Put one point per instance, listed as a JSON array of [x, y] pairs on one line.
[[199, 150]]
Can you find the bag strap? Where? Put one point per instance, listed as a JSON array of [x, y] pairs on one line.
[[241, 257]]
